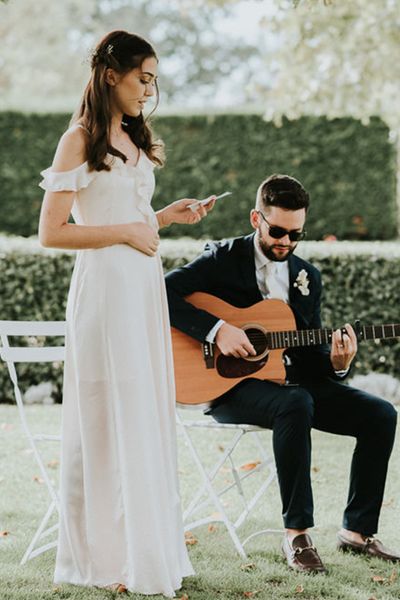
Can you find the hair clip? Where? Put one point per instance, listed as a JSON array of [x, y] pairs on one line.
[[100, 56]]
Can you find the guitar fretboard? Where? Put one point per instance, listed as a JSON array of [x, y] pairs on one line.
[[315, 337]]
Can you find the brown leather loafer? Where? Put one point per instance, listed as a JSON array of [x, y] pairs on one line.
[[370, 547], [302, 555]]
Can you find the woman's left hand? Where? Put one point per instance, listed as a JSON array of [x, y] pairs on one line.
[[179, 212]]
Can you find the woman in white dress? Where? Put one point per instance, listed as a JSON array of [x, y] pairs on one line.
[[120, 525]]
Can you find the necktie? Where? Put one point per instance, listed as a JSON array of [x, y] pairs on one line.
[[272, 283]]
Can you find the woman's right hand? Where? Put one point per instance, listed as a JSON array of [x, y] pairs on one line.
[[142, 237]]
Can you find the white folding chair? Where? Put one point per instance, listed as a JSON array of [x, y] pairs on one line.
[[210, 496], [12, 354]]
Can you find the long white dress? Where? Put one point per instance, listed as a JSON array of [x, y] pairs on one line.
[[120, 506]]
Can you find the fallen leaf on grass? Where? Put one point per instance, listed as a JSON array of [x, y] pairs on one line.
[[53, 464], [184, 597], [248, 566], [388, 503], [38, 479], [211, 528], [250, 466], [4, 533], [299, 589], [7, 426], [190, 540], [250, 594], [393, 577], [378, 579]]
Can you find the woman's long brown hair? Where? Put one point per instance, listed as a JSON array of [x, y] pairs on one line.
[[122, 52]]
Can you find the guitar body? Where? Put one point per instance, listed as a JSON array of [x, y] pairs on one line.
[[197, 384]]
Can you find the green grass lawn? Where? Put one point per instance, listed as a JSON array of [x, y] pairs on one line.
[[220, 573]]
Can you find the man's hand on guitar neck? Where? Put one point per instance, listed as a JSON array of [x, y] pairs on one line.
[[232, 341], [344, 348]]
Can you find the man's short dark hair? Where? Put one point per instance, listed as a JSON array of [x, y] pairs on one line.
[[282, 191]]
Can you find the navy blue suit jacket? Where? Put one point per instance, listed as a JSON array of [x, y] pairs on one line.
[[226, 269]]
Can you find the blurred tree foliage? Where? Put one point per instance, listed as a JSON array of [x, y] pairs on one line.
[[331, 58], [45, 61], [334, 58]]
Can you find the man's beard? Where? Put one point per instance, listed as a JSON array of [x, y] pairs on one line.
[[267, 250]]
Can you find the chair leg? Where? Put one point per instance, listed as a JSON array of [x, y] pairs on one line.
[[212, 473], [214, 497], [40, 533]]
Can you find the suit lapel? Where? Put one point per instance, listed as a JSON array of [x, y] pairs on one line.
[[299, 303], [293, 272], [247, 269]]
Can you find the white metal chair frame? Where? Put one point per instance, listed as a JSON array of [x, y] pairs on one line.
[[14, 354], [207, 493]]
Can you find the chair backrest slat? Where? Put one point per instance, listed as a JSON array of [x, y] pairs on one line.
[[26, 328], [19, 355]]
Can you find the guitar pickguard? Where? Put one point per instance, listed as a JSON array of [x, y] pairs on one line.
[[231, 367]]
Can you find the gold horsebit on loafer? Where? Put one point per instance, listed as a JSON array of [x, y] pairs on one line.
[[301, 550]]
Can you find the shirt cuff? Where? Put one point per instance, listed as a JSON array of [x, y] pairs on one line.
[[210, 337], [342, 372]]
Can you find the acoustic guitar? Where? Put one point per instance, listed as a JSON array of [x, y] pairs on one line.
[[203, 373]]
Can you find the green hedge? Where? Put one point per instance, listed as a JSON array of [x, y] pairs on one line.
[[348, 167], [360, 281]]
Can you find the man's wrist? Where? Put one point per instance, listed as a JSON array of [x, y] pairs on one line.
[[341, 372], [210, 337]]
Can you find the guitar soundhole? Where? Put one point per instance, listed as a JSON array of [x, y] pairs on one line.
[[258, 339]]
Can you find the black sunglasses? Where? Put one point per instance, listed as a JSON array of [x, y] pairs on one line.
[[279, 232]]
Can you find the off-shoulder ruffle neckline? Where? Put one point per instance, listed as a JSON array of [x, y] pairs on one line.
[[111, 162]]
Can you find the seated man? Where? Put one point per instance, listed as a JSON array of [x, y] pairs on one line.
[[243, 271]]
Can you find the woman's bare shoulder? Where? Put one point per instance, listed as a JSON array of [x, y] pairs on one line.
[[71, 149]]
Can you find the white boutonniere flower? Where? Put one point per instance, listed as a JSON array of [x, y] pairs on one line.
[[302, 282]]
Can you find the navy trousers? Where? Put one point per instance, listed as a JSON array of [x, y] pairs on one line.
[[327, 405]]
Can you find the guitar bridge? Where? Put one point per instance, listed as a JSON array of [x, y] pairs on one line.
[[208, 354]]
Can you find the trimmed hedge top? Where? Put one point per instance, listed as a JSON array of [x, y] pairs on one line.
[[348, 168]]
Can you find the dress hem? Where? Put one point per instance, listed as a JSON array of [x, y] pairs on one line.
[[136, 590]]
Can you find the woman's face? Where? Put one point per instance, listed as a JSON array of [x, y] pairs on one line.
[[130, 92]]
